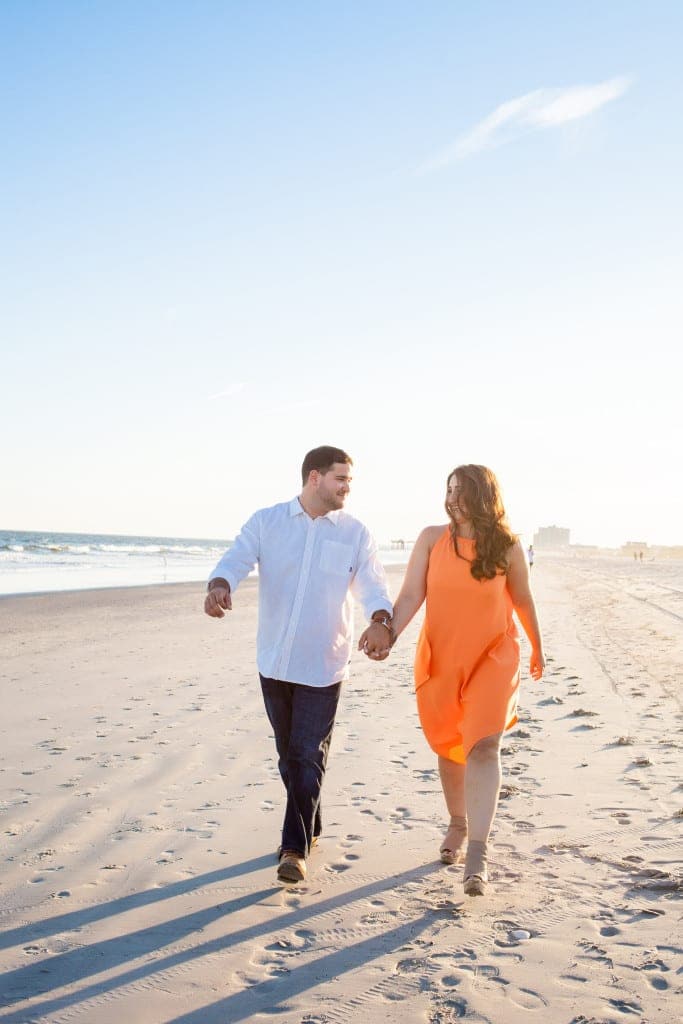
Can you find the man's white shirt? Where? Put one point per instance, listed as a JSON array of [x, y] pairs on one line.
[[310, 570]]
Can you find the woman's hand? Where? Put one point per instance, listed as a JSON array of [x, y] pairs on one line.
[[536, 664]]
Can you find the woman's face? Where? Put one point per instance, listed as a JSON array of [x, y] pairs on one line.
[[455, 505]]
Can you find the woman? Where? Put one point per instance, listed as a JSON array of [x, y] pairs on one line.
[[472, 572]]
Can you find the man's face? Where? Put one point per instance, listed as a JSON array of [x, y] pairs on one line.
[[333, 486]]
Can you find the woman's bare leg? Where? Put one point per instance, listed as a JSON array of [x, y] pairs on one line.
[[453, 785], [482, 788]]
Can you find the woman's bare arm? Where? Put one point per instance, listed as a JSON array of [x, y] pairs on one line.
[[413, 588], [519, 586]]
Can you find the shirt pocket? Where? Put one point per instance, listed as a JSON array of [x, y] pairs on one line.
[[336, 558]]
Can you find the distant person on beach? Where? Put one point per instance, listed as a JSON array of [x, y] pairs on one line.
[[530, 556], [473, 573], [313, 559]]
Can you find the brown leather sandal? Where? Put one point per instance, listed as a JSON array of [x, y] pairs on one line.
[[452, 849], [475, 874]]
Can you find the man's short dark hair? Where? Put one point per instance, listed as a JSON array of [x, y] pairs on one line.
[[323, 459]]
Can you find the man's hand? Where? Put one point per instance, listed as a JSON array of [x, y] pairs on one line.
[[376, 641], [216, 600]]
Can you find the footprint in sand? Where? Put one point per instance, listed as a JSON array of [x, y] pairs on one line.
[[167, 857], [626, 1007], [400, 816], [634, 915], [573, 979], [450, 981], [246, 981], [655, 969], [412, 965], [337, 868], [595, 954], [350, 840], [507, 790], [524, 826], [448, 1010], [484, 972], [366, 810], [271, 962], [303, 938], [527, 999]]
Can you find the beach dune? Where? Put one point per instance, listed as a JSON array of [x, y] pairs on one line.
[[141, 806]]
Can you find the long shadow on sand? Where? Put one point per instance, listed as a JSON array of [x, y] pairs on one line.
[[268, 996], [77, 965], [87, 915]]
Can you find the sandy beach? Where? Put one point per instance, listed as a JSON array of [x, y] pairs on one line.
[[141, 806]]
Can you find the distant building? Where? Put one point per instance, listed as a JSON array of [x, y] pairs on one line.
[[633, 547], [551, 537]]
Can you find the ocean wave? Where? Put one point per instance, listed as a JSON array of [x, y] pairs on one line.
[[46, 545], [111, 559]]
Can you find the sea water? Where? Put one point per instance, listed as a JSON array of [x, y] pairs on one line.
[[36, 562]]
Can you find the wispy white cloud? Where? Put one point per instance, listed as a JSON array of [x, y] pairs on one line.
[[230, 392], [543, 108]]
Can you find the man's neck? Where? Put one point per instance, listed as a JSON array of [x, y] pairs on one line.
[[311, 507]]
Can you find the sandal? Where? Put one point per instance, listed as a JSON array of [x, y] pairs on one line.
[[475, 885], [476, 874], [453, 846]]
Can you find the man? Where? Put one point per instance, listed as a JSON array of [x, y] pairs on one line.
[[313, 559]]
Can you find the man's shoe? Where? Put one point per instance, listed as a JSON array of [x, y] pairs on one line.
[[314, 842], [292, 867]]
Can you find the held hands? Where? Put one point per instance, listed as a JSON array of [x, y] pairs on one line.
[[376, 641], [536, 664], [216, 600]]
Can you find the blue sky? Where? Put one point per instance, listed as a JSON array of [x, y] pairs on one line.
[[429, 233]]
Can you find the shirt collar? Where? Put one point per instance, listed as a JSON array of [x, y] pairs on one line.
[[296, 509]]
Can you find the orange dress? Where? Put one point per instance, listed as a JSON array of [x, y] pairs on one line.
[[467, 657]]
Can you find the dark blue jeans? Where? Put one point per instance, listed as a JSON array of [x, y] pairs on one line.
[[302, 718]]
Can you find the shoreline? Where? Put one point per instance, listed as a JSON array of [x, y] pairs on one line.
[[101, 590], [391, 569]]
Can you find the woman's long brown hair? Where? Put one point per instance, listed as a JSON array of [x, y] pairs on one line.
[[484, 506]]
